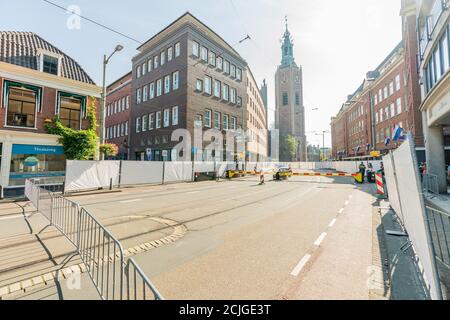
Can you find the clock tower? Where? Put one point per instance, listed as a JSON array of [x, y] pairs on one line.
[[289, 111]]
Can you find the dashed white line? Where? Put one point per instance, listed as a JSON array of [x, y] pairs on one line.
[[332, 223], [300, 265], [129, 201], [341, 211], [320, 239], [193, 192]]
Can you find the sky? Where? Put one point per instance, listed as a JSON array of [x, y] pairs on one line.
[[335, 41]]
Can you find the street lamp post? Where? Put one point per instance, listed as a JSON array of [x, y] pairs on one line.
[[323, 144], [103, 106]]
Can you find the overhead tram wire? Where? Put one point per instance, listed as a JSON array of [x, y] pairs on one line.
[[94, 22]]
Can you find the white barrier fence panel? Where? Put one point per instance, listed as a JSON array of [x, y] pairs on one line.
[[178, 171], [85, 175], [391, 184], [141, 172], [414, 215]]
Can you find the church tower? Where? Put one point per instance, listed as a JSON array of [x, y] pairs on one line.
[[290, 112]]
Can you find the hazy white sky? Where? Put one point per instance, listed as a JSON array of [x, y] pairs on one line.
[[336, 41]]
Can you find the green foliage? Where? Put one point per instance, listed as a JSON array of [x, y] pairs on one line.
[[77, 144], [288, 148], [109, 149]]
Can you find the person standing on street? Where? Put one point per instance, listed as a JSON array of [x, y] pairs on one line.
[[362, 170]]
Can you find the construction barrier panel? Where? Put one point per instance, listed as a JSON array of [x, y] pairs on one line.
[[141, 172], [88, 175]]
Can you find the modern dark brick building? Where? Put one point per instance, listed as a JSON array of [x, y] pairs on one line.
[[183, 77], [117, 113]]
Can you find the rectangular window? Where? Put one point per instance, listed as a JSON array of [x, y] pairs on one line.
[[195, 49], [391, 88], [380, 95], [392, 110], [386, 93], [138, 124], [169, 54], [212, 58], [207, 118], [166, 118], [163, 58], [152, 91], [233, 71], [126, 128], [445, 51], [145, 94], [144, 123], [199, 85], [158, 120], [144, 68], [208, 81], [149, 65], [70, 112], [50, 65], [225, 124], [226, 92], [138, 72], [226, 66], [376, 118], [138, 96], [155, 62], [219, 63], [123, 104], [177, 49], [198, 121], [285, 99], [381, 115], [217, 120], [175, 80], [239, 74], [397, 83], [217, 88], [151, 121], [386, 113], [399, 105], [437, 62], [239, 101], [204, 53], [166, 84], [233, 123], [159, 88], [128, 102], [233, 95], [175, 116], [297, 99], [375, 100]]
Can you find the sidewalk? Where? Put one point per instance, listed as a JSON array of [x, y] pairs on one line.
[[341, 268]]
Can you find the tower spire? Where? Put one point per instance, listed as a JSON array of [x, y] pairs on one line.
[[287, 47]]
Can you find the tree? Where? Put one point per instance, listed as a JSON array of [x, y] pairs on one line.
[[77, 144], [288, 148], [109, 149]]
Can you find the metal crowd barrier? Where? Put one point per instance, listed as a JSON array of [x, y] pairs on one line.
[[439, 222], [101, 253], [430, 184]]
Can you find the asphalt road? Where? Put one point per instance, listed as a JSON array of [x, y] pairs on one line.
[[243, 241]]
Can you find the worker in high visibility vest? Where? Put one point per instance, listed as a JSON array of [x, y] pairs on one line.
[[362, 170]]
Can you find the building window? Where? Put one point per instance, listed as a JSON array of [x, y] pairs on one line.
[[226, 66], [138, 97], [386, 113], [50, 65], [219, 63], [198, 121], [233, 71], [21, 108], [217, 120], [166, 84], [225, 124], [297, 99], [195, 49], [212, 58], [151, 121], [239, 101], [207, 118], [158, 120], [392, 110], [145, 94], [144, 68], [397, 82], [70, 111], [375, 100], [149, 65], [138, 72], [175, 116], [152, 90], [159, 88], [226, 92], [163, 58], [144, 123], [123, 103], [285, 99], [204, 53], [208, 81], [126, 128], [233, 95], [169, 54], [175, 80], [177, 49], [217, 88], [376, 118], [386, 93], [239, 74], [399, 105], [155, 62], [138, 124], [233, 123], [166, 118], [199, 85], [391, 88]]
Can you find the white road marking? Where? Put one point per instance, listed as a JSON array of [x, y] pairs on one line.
[[320, 239], [300, 265], [332, 223], [341, 211], [193, 192], [347, 202], [350, 196], [129, 201]]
